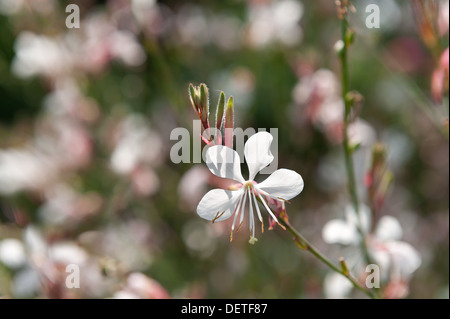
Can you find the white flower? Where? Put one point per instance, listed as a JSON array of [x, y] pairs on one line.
[[222, 161], [396, 259]]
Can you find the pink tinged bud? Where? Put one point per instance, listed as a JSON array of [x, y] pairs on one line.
[[437, 84], [379, 178], [200, 103], [229, 123], [368, 180], [440, 76], [444, 60]]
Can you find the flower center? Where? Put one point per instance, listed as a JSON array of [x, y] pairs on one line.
[[248, 185]]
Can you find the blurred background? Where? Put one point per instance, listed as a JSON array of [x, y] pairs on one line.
[[85, 119]]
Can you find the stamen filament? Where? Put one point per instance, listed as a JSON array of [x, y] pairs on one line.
[[270, 211], [236, 213], [258, 211], [252, 219]]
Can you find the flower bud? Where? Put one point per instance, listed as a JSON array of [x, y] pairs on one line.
[[194, 98], [220, 110], [344, 266], [204, 103], [349, 36], [229, 123]]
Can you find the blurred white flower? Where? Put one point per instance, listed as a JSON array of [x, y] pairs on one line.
[[135, 144], [192, 25], [397, 259], [25, 169], [443, 20], [41, 55], [318, 96], [153, 17], [274, 22], [114, 242], [26, 283], [66, 100], [193, 186], [137, 151], [345, 232], [12, 253], [10, 7], [65, 207], [336, 286], [47, 262]]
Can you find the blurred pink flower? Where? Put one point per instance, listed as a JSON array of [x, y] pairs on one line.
[[317, 97], [139, 286], [440, 77]]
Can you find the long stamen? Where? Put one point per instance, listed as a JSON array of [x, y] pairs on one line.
[[271, 196], [236, 213], [251, 217], [244, 197], [270, 211], [258, 211]]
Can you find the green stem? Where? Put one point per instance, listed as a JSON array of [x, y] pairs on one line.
[[346, 142], [306, 245]]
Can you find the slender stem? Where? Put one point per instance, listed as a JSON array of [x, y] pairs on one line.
[[346, 142], [306, 245], [347, 110]]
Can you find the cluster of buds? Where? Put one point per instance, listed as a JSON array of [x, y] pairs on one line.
[[224, 119], [379, 177]]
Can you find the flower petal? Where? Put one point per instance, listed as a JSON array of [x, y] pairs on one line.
[[283, 183], [337, 231], [363, 220], [224, 162], [257, 152], [336, 286], [218, 204], [388, 228], [405, 258]]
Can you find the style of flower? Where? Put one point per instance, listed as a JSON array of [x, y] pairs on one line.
[[224, 162]]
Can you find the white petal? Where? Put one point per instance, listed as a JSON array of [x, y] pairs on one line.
[[337, 231], [283, 183], [224, 162], [257, 152], [405, 258], [217, 201], [364, 220], [388, 228], [336, 286]]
